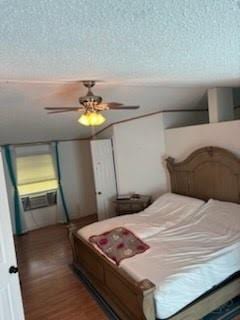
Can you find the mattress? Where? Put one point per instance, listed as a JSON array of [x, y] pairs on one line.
[[189, 258], [167, 210]]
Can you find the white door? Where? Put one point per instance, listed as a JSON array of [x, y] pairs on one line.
[[11, 307], [104, 177]]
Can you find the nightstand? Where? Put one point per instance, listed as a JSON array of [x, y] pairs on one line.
[[132, 205]]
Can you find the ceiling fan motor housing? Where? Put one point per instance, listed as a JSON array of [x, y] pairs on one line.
[[90, 99]]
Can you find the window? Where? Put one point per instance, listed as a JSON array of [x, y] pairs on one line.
[[35, 174]]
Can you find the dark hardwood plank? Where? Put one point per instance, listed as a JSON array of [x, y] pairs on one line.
[[51, 290]]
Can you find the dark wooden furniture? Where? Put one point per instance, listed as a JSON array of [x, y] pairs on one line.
[[207, 173], [132, 205]]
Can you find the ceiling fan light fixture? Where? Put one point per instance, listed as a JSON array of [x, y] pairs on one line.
[[84, 120], [92, 119]]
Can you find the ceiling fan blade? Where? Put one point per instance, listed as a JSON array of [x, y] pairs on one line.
[[63, 108], [124, 107], [61, 111], [113, 104], [107, 106], [69, 91]]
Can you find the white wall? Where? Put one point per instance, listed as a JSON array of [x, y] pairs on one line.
[[138, 150], [220, 104], [236, 100], [170, 120], [105, 134], [181, 142], [10, 192], [180, 119], [237, 113], [77, 177], [38, 218]]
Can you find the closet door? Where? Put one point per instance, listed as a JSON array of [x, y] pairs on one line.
[[10, 296], [104, 177]]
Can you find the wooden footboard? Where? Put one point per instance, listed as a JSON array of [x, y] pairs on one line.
[[131, 300]]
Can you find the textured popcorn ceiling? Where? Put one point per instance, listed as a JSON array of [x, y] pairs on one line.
[[184, 43]]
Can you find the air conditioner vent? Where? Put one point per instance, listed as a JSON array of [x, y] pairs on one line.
[[52, 198], [37, 201]]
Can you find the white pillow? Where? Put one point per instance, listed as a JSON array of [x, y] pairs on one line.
[[223, 214], [172, 203]]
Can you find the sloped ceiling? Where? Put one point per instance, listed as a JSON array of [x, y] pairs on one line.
[[161, 54]]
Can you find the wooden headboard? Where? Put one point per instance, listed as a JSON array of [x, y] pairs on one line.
[[209, 172]]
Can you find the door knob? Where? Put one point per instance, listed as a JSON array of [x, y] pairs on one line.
[[99, 192], [13, 269]]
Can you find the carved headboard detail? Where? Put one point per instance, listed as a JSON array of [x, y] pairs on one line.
[[209, 172]]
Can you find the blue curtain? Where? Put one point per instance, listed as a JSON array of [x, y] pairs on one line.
[[17, 200], [59, 178]]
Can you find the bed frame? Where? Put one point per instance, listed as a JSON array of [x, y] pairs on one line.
[[209, 172]]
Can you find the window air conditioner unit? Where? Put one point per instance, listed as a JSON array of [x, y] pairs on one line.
[[37, 201]]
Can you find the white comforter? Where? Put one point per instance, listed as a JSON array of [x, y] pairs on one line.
[[192, 247], [189, 258], [167, 210]]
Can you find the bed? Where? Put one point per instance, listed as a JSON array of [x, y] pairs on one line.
[[135, 291]]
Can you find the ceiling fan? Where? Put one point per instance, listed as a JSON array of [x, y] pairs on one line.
[[91, 106]]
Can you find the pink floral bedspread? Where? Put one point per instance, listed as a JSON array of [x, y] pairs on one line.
[[119, 244]]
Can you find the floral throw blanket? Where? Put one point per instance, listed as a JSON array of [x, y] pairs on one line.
[[119, 244]]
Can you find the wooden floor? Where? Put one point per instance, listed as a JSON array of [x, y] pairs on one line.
[[51, 291]]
